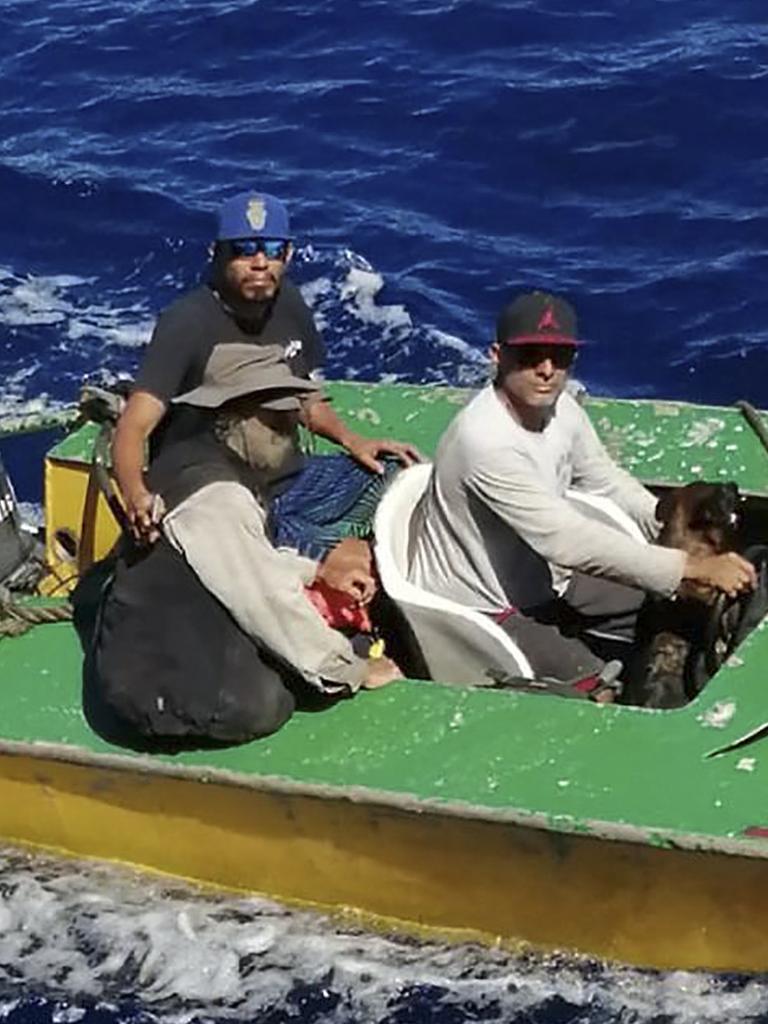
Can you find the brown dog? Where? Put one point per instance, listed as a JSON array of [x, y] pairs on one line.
[[701, 519]]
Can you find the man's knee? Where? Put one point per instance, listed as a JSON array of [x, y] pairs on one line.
[[551, 655], [594, 597], [257, 710], [180, 703]]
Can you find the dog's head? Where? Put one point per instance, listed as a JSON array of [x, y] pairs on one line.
[[701, 518]]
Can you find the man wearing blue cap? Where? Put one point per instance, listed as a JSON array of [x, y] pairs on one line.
[[248, 299]]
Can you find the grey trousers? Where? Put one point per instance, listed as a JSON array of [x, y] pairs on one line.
[[572, 636]]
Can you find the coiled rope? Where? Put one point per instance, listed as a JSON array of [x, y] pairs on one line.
[[16, 618]]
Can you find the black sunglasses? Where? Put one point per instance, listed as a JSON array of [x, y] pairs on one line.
[[527, 356], [273, 248]]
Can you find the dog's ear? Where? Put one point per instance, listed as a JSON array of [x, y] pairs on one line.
[[665, 506]]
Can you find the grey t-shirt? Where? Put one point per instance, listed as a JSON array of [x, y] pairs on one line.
[[185, 336], [495, 529]]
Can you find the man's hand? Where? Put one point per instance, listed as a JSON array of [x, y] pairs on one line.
[[379, 672], [348, 568], [139, 418], [366, 450], [145, 511], [319, 417], [729, 572], [356, 583]]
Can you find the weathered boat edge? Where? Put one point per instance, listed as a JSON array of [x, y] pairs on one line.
[[402, 866], [380, 799]]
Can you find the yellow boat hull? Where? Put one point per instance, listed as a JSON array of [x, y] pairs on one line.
[[426, 870]]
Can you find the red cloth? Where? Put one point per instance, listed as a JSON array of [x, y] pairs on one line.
[[338, 609], [505, 613]]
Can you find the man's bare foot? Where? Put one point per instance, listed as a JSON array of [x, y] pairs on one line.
[[609, 686], [380, 672], [605, 697]]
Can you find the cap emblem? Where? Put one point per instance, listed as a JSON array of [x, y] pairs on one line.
[[547, 321], [256, 214]]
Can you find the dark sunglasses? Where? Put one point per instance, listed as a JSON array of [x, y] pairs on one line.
[[273, 248], [526, 356]]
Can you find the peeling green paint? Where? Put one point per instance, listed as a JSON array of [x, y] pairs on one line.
[[704, 441]]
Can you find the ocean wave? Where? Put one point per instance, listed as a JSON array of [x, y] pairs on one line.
[[85, 935], [53, 301], [571, 150], [367, 339]]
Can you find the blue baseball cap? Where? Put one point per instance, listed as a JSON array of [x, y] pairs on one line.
[[253, 215]]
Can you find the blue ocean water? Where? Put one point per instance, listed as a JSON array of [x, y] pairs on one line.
[[437, 155]]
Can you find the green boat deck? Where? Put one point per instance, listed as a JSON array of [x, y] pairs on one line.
[[569, 765]]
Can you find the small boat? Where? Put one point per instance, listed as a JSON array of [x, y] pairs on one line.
[[470, 813]]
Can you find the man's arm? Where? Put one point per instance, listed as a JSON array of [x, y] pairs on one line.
[[171, 351], [563, 536], [595, 471], [141, 415], [319, 416], [220, 531]]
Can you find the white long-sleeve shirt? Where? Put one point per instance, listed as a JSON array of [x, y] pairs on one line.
[[495, 528], [221, 532]]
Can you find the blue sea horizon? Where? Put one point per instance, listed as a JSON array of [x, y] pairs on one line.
[[437, 157]]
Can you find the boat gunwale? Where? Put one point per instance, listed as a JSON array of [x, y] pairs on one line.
[[145, 765]]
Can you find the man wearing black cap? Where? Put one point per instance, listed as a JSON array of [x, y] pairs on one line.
[[203, 633], [247, 300], [495, 530]]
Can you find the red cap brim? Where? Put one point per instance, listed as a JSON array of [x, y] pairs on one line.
[[543, 339]]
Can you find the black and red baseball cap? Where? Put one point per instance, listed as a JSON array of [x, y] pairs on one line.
[[537, 318]]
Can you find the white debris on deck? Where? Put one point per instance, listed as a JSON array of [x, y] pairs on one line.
[[719, 715]]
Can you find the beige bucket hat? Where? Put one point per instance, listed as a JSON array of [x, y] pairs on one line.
[[237, 369]]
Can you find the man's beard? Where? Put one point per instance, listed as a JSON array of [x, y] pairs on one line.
[[249, 314], [268, 447]]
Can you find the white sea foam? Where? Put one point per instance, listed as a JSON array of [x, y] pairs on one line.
[[15, 404], [359, 291], [61, 300], [87, 932], [72, 336], [372, 339], [34, 300], [32, 518], [367, 337], [315, 293]]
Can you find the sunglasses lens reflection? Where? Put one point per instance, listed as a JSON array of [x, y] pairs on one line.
[[273, 248], [562, 356]]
